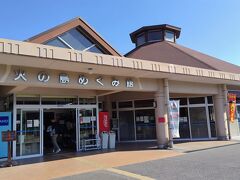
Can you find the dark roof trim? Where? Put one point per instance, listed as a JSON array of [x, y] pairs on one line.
[[134, 34]]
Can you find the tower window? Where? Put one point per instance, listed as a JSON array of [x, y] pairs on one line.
[[155, 35], [141, 39], [169, 36]]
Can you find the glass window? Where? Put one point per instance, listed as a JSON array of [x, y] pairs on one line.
[[145, 124], [8, 103], [28, 100], [126, 125], [114, 114], [28, 132], [114, 105], [87, 101], [184, 130], [199, 125], [210, 100], [114, 123], [59, 101], [238, 100], [212, 121], [155, 35], [197, 100], [88, 124], [183, 101], [143, 103], [238, 96], [125, 104], [56, 42], [238, 114], [78, 41], [141, 39], [95, 49], [169, 36], [100, 106]]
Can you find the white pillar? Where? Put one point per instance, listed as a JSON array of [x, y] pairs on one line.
[[221, 113], [161, 114]]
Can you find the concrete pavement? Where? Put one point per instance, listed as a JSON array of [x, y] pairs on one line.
[[187, 147], [222, 162], [76, 165], [106, 164]]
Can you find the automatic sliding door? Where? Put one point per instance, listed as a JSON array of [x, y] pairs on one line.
[[198, 119], [184, 129], [28, 132], [87, 125], [238, 115], [126, 123]]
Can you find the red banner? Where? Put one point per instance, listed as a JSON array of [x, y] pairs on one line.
[[104, 122], [232, 111], [232, 106]]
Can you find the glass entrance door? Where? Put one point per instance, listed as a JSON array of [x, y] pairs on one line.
[[126, 124], [238, 115], [199, 124], [87, 126], [64, 120], [28, 126]]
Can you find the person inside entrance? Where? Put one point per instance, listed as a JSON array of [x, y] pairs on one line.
[[53, 131], [63, 122]]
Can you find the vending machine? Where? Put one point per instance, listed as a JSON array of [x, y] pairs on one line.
[[104, 122]]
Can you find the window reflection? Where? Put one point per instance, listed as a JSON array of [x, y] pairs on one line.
[[155, 35], [184, 123], [212, 121], [145, 124], [76, 40], [141, 39], [28, 132], [198, 119], [56, 42], [169, 36]]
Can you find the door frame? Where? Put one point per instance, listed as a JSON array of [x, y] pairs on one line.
[[205, 105], [55, 107], [40, 130], [41, 108], [207, 122], [134, 125], [78, 129]]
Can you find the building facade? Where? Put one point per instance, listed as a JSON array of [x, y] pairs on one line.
[[70, 73]]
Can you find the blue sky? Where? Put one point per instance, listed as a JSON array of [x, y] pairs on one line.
[[209, 26]]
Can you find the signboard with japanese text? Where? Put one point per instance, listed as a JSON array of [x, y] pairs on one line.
[[5, 125], [4, 120], [77, 80], [174, 118], [38, 78], [8, 136]]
